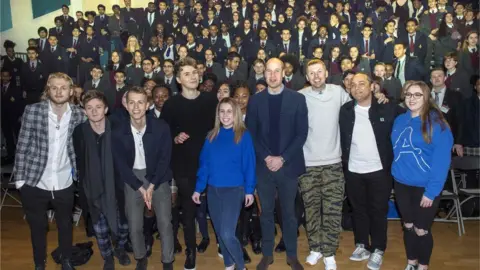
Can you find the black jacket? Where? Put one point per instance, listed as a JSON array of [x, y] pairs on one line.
[[381, 117]]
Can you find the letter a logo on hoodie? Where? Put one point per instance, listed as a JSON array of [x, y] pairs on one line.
[[404, 142]]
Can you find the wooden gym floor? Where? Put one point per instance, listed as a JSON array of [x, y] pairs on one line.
[[450, 250]]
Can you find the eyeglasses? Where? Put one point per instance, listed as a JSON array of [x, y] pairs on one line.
[[414, 95]]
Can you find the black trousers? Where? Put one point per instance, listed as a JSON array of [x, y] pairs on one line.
[[408, 201], [368, 194], [36, 202], [299, 211], [186, 187], [10, 130]]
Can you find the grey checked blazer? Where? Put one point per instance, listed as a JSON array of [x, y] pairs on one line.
[[32, 146]]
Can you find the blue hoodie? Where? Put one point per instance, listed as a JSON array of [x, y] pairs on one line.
[[417, 163]]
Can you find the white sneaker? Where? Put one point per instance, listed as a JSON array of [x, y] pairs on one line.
[[330, 263], [360, 254], [313, 258]]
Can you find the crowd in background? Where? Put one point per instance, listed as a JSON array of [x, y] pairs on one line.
[[416, 56]]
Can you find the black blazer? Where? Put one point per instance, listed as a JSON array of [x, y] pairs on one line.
[[293, 130], [102, 86], [297, 82], [453, 101], [157, 143], [381, 117]]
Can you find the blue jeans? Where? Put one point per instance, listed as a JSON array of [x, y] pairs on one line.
[[202, 217], [224, 205], [269, 183]]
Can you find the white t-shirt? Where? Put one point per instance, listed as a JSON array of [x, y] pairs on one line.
[[139, 162], [364, 157]]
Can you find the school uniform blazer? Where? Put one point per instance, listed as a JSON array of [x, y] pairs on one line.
[[413, 69], [32, 146], [293, 127], [157, 143], [420, 45]]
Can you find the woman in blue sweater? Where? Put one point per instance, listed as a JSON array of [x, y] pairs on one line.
[[227, 166], [422, 143]]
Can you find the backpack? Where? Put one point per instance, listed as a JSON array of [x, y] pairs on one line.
[[81, 254]]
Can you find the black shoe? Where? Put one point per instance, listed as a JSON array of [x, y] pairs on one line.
[[67, 265], [280, 247], [246, 257], [202, 247], [142, 264], [39, 267], [149, 250], [190, 260], [294, 263], [128, 247], [219, 251], [122, 256], [265, 262], [244, 241], [257, 247], [177, 247], [109, 263], [168, 266]]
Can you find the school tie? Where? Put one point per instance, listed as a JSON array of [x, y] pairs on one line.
[[94, 85], [53, 49], [42, 43], [230, 73], [263, 44], [285, 47], [169, 50], [437, 98], [32, 67], [399, 66], [366, 46], [412, 45], [168, 81]]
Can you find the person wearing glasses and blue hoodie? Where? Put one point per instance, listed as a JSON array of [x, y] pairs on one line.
[[422, 143]]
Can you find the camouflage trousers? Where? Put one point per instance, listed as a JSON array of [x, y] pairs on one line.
[[322, 189]]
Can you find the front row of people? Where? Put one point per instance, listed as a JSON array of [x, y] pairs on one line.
[[124, 165]]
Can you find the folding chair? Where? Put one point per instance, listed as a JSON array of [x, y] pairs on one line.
[[7, 184], [453, 196], [463, 164]]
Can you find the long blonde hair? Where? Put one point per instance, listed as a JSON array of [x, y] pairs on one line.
[[137, 45], [429, 113], [465, 42], [238, 125]]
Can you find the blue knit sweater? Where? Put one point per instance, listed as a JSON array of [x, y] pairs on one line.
[[223, 163]]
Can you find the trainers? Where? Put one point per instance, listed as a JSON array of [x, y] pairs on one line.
[[313, 258], [330, 263], [360, 253], [411, 267], [376, 259], [219, 251]]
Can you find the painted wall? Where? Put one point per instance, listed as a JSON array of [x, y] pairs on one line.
[[24, 26]]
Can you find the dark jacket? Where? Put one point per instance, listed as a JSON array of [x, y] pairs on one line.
[[470, 135], [293, 129], [381, 117], [157, 144]]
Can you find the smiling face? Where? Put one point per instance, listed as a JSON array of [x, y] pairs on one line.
[[317, 75], [360, 88], [274, 73], [242, 95], [161, 95], [137, 105], [226, 115], [414, 99], [188, 77], [379, 71]]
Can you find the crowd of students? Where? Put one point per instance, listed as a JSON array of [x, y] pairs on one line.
[[314, 101]]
